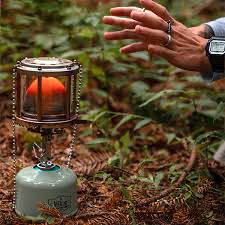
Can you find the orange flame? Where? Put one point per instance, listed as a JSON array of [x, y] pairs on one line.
[[53, 96], [50, 86]]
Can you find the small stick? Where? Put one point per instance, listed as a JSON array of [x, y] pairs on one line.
[[179, 181], [122, 170], [86, 215]]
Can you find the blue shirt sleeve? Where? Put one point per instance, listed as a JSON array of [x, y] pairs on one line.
[[218, 27]]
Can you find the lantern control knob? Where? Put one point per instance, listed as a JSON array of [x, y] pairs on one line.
[[40, 154]]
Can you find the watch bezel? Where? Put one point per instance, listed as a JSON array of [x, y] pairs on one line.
[[215, 52]]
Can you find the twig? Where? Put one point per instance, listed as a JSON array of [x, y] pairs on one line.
[[86, 215], [179, 181], [46, 210], [122, 170]]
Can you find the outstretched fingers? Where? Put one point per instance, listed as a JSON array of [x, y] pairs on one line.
[[152, 36], [123, 34], [123, 11], [135, 47], [149, 19], [120, 22], [162, 52], [158, 9]]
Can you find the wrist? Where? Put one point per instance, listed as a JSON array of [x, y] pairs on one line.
[[199, 30], [205, 65], [203, 30], [208, 32]]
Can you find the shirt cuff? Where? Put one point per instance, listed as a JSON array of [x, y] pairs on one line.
[[218, 27]]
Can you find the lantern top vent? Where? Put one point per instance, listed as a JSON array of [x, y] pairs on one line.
[[47, 66]]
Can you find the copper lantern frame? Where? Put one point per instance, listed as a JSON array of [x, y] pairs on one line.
[[36, 80], [39, 69]]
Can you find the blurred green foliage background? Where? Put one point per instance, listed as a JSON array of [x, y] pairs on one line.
[[32, 28]]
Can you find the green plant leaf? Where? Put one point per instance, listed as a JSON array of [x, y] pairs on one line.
[[126, 141], [142, 123], [98, 141], [93, 20], [117, 145], [35, 218], [98, 72], [158, 178], [122, 121], [50, 220], [44, 40], [100, 114], [145, 161], [141, 55], [159, 95], [187, 195], [126, 194], [86, 32], [170, 137], [220, 111], [102, 175], [211, 134], [139, 88], [114, 160], [4, 76]]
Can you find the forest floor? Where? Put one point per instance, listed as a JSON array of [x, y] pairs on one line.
[[119, 195]]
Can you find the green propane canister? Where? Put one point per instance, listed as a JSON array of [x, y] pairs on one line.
[[46, 100], [56, 187]]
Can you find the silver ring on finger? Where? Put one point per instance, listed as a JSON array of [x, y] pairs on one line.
[[143, 10], [168, 42], [169, 28]]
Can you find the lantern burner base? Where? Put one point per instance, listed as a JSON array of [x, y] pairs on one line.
[[47, 166]]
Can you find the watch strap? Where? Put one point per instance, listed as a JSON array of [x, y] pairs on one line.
[[217, 63], [210, 76]]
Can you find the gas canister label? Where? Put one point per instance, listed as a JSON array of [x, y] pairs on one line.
[[62, 203]]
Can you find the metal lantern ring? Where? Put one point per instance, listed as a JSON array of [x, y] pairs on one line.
[[46, 99]]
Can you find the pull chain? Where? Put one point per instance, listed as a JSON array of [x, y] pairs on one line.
[[14, 137], [72, 145]]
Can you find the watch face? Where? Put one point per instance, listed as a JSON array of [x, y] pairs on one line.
[[217, 47]]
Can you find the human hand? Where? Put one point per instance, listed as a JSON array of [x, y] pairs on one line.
[[186, 49]]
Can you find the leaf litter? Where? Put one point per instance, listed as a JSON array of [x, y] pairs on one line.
[[121, 197]]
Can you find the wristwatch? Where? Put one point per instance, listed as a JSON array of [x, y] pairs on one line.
[[215, 50]]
